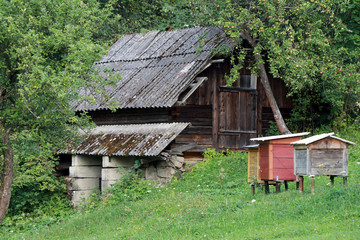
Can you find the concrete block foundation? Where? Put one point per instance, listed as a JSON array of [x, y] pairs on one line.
[[89, 174]]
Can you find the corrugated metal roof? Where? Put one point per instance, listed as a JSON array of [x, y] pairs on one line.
[[157, 66], [128, 140], [279, 136], [316, 138]]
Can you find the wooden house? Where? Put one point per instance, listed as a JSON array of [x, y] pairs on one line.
[[276, 158], [322, 154], [173, 102]]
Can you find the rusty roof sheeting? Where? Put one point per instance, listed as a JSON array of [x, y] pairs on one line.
[[157, 67], [128, 140]]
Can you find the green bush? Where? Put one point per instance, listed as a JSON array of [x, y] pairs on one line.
[[218, 171]]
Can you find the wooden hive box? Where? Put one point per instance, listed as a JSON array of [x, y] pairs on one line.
[[276, 157], [322, 154], [253, 164]]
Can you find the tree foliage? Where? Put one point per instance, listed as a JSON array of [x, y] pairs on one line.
[[142, 16], [47, 50], [311, 45]]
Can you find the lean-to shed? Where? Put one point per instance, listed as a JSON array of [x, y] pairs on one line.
[[276, 157], [322, 154]]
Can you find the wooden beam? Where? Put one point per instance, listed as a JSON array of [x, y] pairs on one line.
[[236, 89], [198, 81], [236, 132]]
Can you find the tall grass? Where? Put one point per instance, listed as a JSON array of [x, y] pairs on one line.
[[213, 201]]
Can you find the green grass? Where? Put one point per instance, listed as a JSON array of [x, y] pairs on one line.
[[214, 202]]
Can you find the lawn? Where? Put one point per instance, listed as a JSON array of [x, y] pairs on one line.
[[213, 201]]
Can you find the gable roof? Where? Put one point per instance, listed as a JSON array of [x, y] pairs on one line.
[[319, 137], [128, 140], [157, 67]]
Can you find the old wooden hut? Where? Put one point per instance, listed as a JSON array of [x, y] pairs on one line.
[[173, 101], [322, 154], [276, 158]]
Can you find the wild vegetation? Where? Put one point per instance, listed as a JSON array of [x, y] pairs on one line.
[[212, 201]]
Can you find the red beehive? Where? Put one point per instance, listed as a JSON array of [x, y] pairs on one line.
[[276, 157]]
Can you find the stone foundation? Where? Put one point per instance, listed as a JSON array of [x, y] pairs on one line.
[[90, 174]]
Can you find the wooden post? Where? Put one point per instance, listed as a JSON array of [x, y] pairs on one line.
[[286, 185], [301, 184], [297, 185], [312, 184], [344, 180], [253, 189], [266, 187], [332, 179], [278, 185]]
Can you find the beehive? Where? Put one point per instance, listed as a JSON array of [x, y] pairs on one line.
[[322, 154], [253, 164], [276, 157]]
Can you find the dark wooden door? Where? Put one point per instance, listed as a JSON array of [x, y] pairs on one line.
[[237, 117]]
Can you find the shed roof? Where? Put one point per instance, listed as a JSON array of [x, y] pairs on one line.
[[319, 137], [157, 67], [251, 146], [279, 136], [128, 140]]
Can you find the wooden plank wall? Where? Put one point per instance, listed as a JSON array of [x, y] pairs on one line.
[[264, 112], [200, 131], [131, 116]]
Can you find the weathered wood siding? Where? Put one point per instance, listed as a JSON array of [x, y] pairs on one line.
[[329, 162], [265, 171], [253, 165], [328, 157], [200, 131], [301, 162], [222, 117], [131, 116]]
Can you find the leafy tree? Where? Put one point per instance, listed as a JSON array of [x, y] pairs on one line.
[[47, 50], [303, 44], [142, 16]]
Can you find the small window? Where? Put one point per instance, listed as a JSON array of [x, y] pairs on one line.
[[248, 81]]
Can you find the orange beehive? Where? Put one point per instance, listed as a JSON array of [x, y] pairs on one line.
[[276, 157]]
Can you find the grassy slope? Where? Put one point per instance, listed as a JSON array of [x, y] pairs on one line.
[[214, 202]]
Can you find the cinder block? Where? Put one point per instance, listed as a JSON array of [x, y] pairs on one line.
[[79, 197], [78, 184], [112, 173], [114, 161], [89, 171], [165, 172], [107, 184], [86, 160]]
